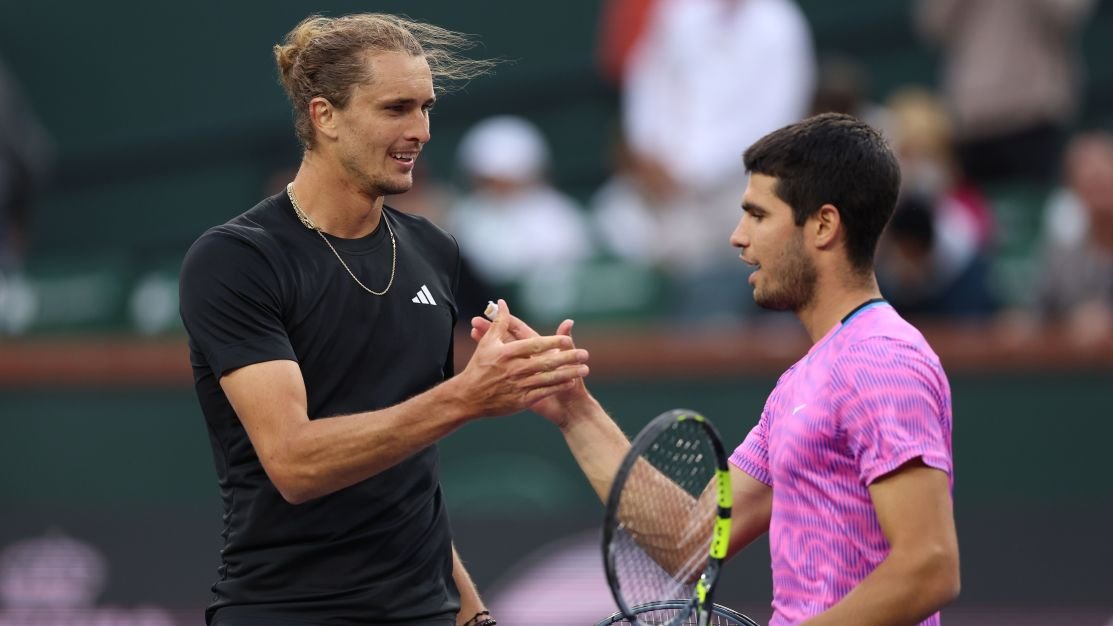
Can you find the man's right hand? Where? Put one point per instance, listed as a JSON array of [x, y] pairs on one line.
[[514, 367], [561, 402]]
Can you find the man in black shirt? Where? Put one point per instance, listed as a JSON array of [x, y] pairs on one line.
[[320, 326]]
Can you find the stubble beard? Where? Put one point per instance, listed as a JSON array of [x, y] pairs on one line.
[[376, 185], [797, 279]]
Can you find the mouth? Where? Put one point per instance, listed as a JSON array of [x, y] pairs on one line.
[[755, 268], [406, 158]]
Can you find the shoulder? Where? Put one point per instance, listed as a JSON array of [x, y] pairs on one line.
[[882, 345], [256, 225], [251, 239], [422, 231]]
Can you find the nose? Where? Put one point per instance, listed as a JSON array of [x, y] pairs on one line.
[[740, 238], [419, 128]]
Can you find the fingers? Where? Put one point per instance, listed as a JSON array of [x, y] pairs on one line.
[[553, 369], [552, 381], [539, 393], [500, 326], [480, 324], [554, 359], [537, 345], [565, 328], [478, 330], [518, 329]]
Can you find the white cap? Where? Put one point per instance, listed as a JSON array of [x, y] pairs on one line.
[[504, 146]]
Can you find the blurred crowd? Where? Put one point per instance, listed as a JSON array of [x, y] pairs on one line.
[[1006, 213], [1005, 198]]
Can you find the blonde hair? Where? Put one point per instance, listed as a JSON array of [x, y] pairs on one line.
[[921, 123], [323, 56]]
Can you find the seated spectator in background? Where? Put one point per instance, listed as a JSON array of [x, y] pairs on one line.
[[1075, 282], [513, 221], [631, 211], [937, 250], [910, 274], [1011, 74], [705, 80]]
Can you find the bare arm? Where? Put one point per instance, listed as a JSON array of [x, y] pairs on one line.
[[599, 445], [664, 519], [306, 458], [470, 602], [751, 510], [921, 573]]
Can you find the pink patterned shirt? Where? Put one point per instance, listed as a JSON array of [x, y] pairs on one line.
[[867, 398]]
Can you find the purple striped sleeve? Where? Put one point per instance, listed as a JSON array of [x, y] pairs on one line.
[[894, 409], [752, 456]]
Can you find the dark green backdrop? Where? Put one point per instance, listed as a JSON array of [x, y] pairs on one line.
[[130, 470]]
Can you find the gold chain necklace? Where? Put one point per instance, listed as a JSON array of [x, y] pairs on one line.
[[312, 226]]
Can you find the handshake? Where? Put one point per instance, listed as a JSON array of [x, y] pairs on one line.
[[515, 368]]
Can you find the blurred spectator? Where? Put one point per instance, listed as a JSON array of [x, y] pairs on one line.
[[621, 25], [710, 77], [1075, 284], [910, 272], [707, 78], [631, 212], [513, 221], [843, 87], [1012, 78], [934, 259], [24, 158], [923, 138]]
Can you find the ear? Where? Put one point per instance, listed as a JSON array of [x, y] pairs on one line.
[[826, 226], [323, 115]]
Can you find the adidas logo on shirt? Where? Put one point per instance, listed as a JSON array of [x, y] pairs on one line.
[[424, 297]]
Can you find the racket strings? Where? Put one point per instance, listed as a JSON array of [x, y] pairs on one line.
[[642, 575], [668, 616], [666, 520]]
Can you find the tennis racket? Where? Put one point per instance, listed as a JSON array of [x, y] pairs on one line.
[[667, 526], [666, 611]]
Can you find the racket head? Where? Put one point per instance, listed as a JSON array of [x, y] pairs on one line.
[[676, 475], [664, 612]]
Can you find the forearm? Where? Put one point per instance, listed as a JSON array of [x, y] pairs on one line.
[[321, 456], [666, 521], [470, 602], [596, 442], [903, 590]]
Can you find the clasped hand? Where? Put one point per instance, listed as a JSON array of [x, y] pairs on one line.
[[514, 368]]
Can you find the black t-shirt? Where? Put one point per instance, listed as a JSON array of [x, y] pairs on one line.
[[263, 287]]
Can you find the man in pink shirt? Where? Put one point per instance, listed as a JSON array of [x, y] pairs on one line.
[[849, 468]]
